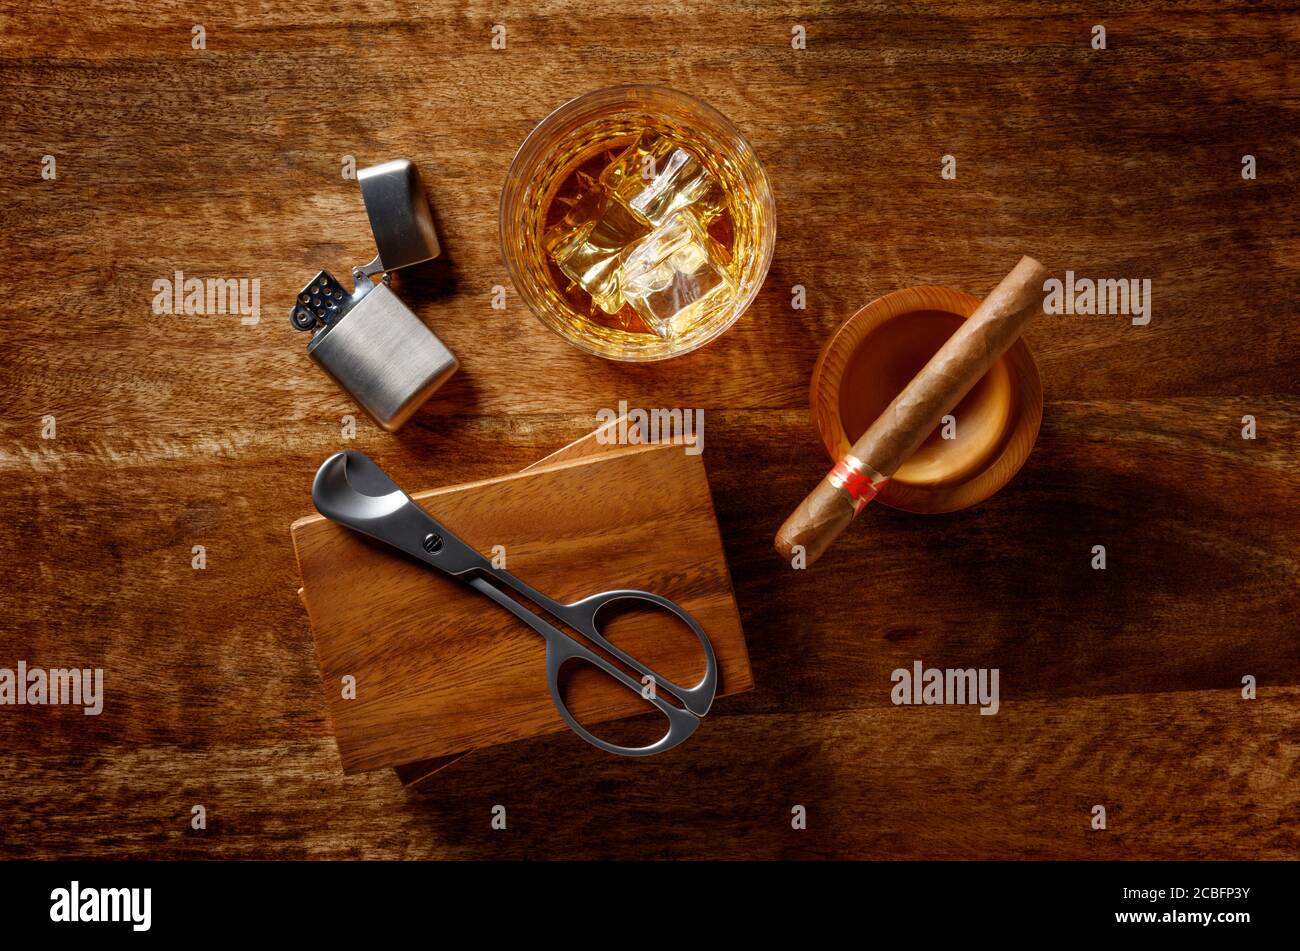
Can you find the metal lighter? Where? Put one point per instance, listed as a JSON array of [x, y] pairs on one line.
[[373, 345]]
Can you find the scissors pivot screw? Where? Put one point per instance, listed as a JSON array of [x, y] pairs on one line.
[[432, 543]]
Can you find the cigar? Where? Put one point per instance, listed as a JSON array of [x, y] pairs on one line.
[[939, 386]]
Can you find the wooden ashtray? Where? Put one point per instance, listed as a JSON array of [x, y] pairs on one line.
[[873, 355]]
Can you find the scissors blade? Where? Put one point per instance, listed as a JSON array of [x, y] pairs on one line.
[[351, 490]]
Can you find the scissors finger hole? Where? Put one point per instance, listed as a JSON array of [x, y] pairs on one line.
[[608, 709], [655, 636]]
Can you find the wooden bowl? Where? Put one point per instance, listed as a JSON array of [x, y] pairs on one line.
[[874, 354]]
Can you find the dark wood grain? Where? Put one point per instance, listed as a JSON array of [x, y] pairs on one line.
[[1119, 687]]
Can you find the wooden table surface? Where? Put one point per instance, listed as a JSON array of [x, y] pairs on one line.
[[1120, 687]]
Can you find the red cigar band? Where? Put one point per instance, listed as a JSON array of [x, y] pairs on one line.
[[857, 480]]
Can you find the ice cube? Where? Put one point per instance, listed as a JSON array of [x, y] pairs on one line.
[[590, 254], [655, 178], [673, 272], [581, 208]]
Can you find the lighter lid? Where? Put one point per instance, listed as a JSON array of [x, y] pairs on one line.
[[399, 214]]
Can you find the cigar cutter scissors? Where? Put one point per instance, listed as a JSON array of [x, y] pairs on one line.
[[352, 491]]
